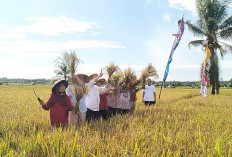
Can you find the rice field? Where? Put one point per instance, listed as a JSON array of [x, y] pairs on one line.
[[182, 123]]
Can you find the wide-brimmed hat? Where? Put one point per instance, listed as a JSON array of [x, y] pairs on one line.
[[58, 82], [84, 77], [92, 76]]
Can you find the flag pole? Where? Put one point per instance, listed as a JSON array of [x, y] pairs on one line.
[[166, 70], [175, 44], [161, 88]]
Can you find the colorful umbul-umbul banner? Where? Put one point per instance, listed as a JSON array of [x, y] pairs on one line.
[[174, 46], [204, 80]]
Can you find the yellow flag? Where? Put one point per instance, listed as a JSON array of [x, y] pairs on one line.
[[207, 55]]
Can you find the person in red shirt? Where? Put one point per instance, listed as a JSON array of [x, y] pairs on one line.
[[59, 104]]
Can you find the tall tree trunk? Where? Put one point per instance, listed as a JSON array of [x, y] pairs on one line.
[[213, 89], [214, 72]]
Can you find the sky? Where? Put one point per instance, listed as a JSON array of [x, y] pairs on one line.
[[130, 33]]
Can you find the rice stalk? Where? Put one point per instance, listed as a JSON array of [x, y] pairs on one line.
[[80, 91], [128, 78], [111, 68], [115, 81], [149, 71]]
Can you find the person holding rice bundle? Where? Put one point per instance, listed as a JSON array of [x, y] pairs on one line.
[[93, 97], [103, 105], [73, 118], [112, 100], [59, 104], [81, 93], [133, 98], [149, 95], [124, 100]]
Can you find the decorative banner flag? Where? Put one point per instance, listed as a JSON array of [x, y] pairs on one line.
[[175, 44], [204, 80]]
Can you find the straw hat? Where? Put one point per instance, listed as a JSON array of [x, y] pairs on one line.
[[58, 82], [92, 76], [84, 77]]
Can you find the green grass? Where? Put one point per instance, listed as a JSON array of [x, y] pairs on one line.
[[181, 124]]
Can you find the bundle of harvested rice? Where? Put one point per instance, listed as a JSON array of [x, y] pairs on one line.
[[80, 92], [111, 68], [149, 71]]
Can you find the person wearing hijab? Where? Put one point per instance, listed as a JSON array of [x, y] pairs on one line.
[[59, 104]]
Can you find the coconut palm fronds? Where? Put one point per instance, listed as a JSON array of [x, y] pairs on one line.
[[111, 68], [67, 63]]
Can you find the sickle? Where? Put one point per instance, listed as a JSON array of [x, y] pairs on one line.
[[36, 95]]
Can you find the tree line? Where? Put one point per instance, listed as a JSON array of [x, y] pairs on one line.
[[171, 84]]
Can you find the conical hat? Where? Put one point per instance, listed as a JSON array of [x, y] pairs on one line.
[[58, 82]]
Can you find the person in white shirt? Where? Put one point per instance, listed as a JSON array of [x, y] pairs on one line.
[[81, 79], [73, 118], [149, 95], [93, 98]]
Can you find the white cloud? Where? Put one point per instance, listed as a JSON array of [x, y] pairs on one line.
[[148, 1], [55, 26], [8, 34], [167, 18], [50, 48], [183, 5], [93, 33]]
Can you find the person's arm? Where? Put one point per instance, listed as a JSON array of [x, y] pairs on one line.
[[108, 83], [48, 104], [100, 75], [78, 80], [143, 95], [137, 82], [154, 96], [104, 90], [70, 105]]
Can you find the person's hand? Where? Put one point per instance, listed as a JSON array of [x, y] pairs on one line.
[[142, 100], [41, 102], [73, 75], [101, 74]]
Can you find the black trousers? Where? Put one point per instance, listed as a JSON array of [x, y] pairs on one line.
[[149, 103], [104, 114], [92, 115], [112, 111]]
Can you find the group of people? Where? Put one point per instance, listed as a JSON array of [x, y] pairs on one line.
[[103, 100]]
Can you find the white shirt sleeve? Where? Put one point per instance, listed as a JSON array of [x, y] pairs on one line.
[[91, 83], [102, 89], [154, 89], [69, 92]]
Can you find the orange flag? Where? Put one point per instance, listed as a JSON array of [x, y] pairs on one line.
[[207, 55]]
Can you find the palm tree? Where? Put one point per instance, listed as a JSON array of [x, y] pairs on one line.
[[62, 70], [67, 63], [216, 27]]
